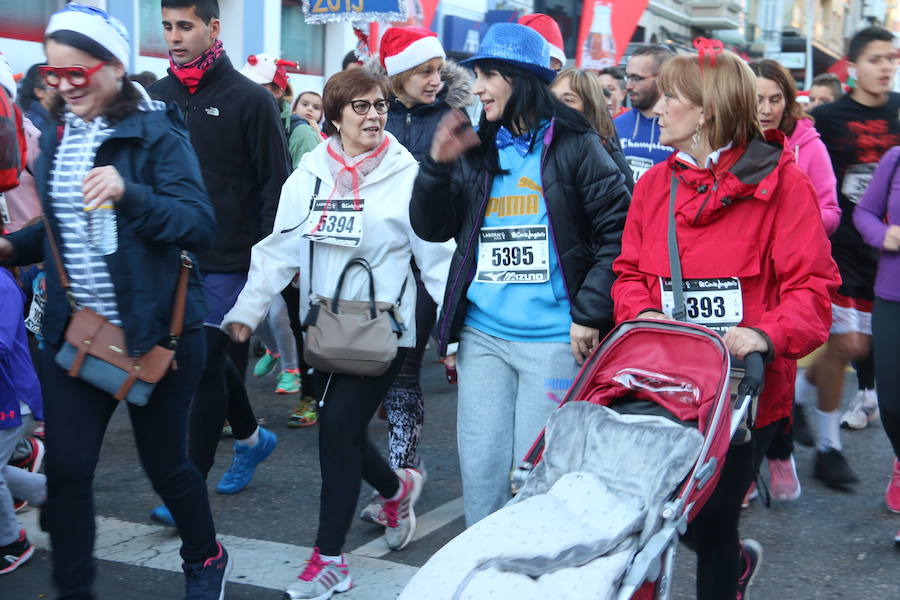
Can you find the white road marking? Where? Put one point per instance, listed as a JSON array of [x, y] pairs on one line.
[[425, 525], [256, 562]]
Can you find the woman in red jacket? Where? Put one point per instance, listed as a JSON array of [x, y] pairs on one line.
[[748, 227]]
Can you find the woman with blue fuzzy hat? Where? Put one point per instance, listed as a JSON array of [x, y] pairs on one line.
[[122, 193], [537, 208]]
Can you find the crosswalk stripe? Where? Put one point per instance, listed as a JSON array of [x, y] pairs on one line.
[[425, 524], [262, 563]]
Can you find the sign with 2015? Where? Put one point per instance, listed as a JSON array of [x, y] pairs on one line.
[[330, 11]]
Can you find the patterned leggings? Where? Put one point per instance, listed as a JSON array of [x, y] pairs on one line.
[[404, 403]]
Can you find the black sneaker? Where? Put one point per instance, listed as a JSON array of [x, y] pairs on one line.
[[13, 556], [802, 433], [206, 580], [832, 469], [751, 558]]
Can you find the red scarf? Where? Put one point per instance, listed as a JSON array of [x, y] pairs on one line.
[[191, 73]]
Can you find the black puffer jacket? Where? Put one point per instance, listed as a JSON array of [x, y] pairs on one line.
[[586, 204], [414, 127]]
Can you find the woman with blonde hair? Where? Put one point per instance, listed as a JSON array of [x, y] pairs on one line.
[[582, 91], [746, 220]]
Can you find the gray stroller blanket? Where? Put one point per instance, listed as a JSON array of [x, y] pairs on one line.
[[573, 529]]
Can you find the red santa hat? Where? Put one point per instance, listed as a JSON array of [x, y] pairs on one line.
[[549, 30], [404, 48], [265, 68]]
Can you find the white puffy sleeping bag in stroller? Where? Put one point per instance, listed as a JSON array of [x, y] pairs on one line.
[[572, 532]]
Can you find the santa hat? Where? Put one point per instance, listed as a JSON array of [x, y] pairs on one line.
[[549, 30], [404, 48], [7, 80], [265, 68]]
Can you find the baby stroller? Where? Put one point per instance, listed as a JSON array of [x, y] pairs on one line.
[[631, 455]]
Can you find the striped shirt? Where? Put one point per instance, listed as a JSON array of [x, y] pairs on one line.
[[89, 278]]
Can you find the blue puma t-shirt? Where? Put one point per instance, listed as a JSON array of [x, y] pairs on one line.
[[519, 312]]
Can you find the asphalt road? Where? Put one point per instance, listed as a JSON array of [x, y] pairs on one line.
[[826, 545]]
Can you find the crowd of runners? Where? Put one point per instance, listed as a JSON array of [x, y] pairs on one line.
[[156, 233]]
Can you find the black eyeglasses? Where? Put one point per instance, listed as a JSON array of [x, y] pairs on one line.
[[361, 107]]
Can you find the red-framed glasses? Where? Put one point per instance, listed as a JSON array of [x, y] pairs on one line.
[[78, 76]]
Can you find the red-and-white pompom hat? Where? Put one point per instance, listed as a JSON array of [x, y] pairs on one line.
[[265, 68], [404, 48]]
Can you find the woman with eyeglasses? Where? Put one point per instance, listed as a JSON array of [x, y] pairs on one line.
[[348, 200], [125, 159]]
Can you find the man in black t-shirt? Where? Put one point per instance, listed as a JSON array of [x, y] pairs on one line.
[[857, 130]]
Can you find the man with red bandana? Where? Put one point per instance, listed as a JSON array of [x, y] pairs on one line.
[[237, 133]]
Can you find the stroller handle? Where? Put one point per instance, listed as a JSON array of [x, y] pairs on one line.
[[754, 372]]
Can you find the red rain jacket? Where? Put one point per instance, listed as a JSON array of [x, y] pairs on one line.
[[754, 216]]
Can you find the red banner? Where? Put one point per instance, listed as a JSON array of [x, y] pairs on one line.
[[605, 30]]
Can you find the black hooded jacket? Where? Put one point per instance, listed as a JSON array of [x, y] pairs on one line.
[[586, 202]]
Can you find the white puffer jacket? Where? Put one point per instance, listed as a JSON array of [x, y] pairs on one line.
[[388, 244]]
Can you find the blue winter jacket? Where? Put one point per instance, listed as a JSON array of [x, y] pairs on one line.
[[164, 209]]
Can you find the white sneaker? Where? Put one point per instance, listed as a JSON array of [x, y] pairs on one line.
[[401, 517], [320, 580], [863, 410], [374, 511]]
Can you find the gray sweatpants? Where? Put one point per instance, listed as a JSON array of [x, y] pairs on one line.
[[507, 391], [9, 524]]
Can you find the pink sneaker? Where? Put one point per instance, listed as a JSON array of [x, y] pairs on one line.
[[892, 495], [783, 481], [320, 579]]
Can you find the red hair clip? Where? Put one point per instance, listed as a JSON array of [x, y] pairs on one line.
[[706, 47]]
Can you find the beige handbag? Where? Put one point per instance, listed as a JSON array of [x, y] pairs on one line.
[[352, 337]]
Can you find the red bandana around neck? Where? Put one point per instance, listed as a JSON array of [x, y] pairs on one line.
[[191, 73]]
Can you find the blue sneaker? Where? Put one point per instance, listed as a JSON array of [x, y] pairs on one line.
[[239, 474], [206, 580], [161, 515]]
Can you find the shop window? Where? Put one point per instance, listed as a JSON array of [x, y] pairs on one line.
[[150, 30], [302, 43], [26, 19]]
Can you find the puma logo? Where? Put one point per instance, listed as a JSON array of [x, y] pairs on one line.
[[529, 184]]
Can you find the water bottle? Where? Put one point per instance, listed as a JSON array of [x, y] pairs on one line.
[[102, 232]]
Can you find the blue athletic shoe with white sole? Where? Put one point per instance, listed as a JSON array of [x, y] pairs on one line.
[[161, 515], [240, 473]]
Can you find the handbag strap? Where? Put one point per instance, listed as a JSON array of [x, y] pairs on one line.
[[60, 269], [178, 305], [312, 244], [177, 323], [679, 311], [337, 292]]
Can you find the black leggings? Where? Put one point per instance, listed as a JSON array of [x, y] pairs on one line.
[[221, 393], [291, 297], [346, 456], [713, 534], [886, 345]]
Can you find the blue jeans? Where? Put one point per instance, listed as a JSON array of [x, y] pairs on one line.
[[77, 415], [507, 391]]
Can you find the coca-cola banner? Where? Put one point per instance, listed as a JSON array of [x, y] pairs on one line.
[[605, 30]]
